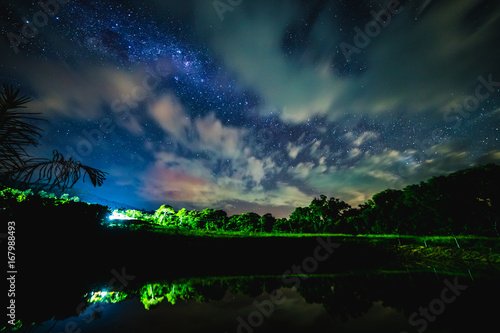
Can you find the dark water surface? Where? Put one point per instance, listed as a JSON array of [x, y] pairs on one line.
[[121, 281], [376, 301]]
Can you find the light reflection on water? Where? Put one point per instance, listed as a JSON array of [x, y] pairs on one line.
[[332, 303]]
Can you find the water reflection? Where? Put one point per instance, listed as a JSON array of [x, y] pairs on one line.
[[361, 302]]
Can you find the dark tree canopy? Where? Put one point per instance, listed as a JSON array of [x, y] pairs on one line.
[[466, 202]]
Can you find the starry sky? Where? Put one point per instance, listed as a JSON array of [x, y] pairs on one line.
[[258, 105]]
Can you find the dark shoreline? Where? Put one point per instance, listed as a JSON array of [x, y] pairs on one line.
[[56, 267], [159, 255]]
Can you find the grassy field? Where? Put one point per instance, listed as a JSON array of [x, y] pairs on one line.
[[357, 252], [486, 244]]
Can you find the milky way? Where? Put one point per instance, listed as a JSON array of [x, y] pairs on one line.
[[264, 105]]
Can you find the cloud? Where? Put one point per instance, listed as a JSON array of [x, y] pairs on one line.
[[225, 142], [412, 65], [69, 92], [364, 137], [490, 157], [163, 184], [178, 186], [417, 60], [390, 169], [225, 162], [206, 135], [79, 92], [301, 170], [200, 181], [356, 184], [191, 182], [260, 64], [282, 195], [259, 169], [132, 124], [170, 115], [172, 178], [293, 150], [354, 152]]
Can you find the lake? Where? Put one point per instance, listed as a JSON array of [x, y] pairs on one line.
[[407, 300]]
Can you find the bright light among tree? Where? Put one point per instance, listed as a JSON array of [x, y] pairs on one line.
[[119, 216]]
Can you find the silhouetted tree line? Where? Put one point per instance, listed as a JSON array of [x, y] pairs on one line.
[[45, 212], [462, 203], [466, 202]]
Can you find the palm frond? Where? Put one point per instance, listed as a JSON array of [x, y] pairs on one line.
[[56, 172], [16, 131]]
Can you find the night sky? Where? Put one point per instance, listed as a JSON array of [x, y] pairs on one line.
[[260, 106]]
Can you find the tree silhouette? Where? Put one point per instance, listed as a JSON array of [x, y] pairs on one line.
[[17, 132]]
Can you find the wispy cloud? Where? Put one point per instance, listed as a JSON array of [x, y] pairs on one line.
[[422, 75]]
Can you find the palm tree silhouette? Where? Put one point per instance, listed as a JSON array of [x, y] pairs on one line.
[[17, 132]]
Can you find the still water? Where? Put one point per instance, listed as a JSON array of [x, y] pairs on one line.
[[382, 301]]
